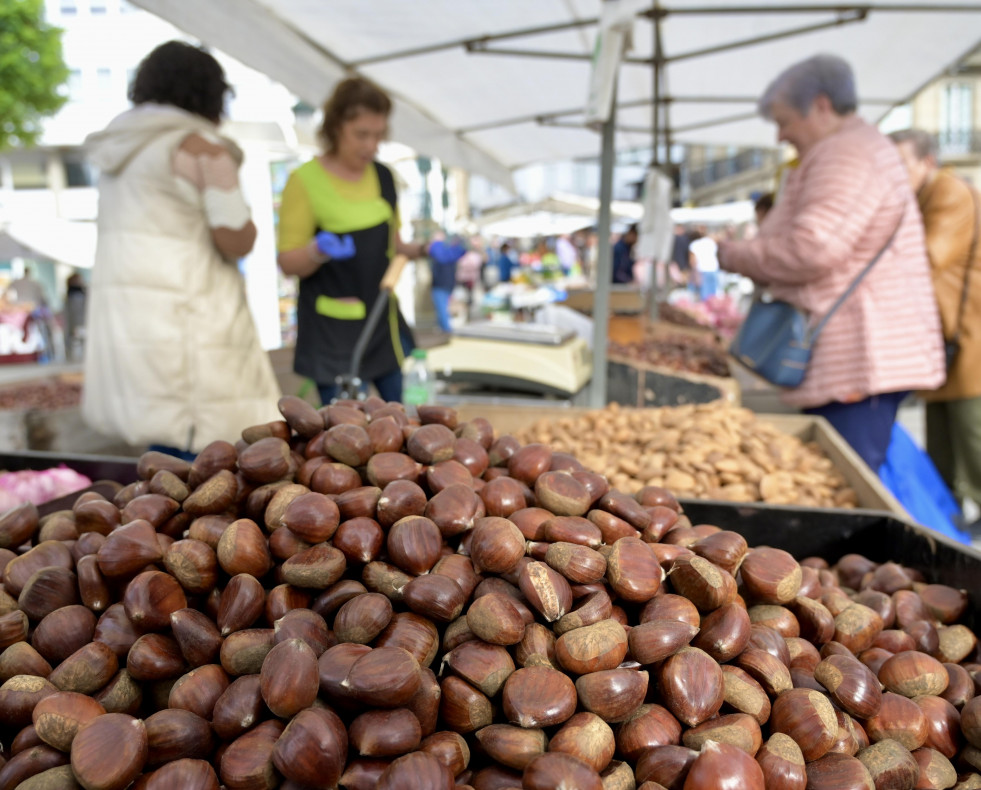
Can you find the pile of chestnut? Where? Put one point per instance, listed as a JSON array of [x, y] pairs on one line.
[[45, 395], [678, 352], [353, 598]]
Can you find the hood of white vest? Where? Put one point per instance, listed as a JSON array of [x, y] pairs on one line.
[[129, 133]]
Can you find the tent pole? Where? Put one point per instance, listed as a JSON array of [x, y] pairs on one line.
[[656, 74], [652, 295], [604, 274]]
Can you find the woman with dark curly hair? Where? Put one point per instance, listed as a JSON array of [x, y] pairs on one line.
[[338, 230], [172, 355]]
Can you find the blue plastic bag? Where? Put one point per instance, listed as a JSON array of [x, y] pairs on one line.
[[912, 478]]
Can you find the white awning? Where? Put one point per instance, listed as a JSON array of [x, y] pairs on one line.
[[490, 113], [552, 216], [734, 213], [51, 240]]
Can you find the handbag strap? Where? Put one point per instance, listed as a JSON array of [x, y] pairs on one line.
[[967, 266], [858, 279]]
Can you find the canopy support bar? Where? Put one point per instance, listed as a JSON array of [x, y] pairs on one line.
[[812, 8], [855, 16], [859, 16], [467, 43], [632, 104], [690, 127]]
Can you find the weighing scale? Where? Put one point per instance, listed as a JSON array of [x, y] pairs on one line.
[[534, 358]]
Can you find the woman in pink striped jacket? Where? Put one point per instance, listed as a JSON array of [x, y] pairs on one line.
[[838, 209]]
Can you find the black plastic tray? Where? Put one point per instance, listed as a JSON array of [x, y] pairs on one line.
[[827, 533]]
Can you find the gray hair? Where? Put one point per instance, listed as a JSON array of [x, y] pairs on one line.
[[803, 82], [924, 144]]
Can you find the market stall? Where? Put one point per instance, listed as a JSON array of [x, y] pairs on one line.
[[362, 598], [491, 88]]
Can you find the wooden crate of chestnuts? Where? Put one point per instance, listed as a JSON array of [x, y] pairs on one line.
[[352, 598]]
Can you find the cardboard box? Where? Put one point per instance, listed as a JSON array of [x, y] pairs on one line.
[[622, 300], [872, 494]]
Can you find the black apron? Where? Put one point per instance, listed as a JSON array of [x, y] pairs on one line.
[[334, 301]]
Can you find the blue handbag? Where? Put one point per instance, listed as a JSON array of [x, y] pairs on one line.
[[775, 340]]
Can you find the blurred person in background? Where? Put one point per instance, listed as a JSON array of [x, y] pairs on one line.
[[172, 356], [26, 295], [75, 294], [506, 262], [468, 268], [590, 255], [580, 240], [704, 254], [444, 255], [26, 290], [680, 265], [950, 208], [623, 256], [567, 254], [849, 200], [338, 231]]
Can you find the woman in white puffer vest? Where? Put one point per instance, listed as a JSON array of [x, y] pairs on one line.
[[173, 359]]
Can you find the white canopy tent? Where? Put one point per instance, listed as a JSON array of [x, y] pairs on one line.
[[61, 240], [489, 85], [735, 213], [553, 216]]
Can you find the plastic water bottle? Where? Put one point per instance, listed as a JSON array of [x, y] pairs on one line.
[[418, 382]]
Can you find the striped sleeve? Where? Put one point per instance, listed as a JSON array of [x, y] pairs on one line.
[[834, 199]]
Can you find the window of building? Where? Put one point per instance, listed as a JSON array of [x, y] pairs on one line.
[[956, 118], [29, 170], [75, 84], [78, 171], [103, 81], [69, 7], [97, 7]]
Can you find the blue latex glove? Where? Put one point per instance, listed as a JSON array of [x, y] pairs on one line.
[[338, 248]]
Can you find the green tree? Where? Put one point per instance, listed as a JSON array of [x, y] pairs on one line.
[[31, 71]]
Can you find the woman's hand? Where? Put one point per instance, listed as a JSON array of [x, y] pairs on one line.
[[338, 248], [414, 250]]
